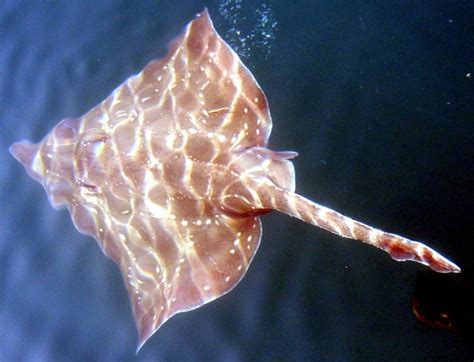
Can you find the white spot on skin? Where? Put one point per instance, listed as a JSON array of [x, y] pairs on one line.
[[236, 242], [184, 222], [208, 222], [232, 251], [227, 279], [206, 288], [159, 79], [246, 110], [204, 86], [199, 222], [239, 268], [249, 238]]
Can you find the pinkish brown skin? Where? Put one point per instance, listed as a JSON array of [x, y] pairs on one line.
[[170, 173]]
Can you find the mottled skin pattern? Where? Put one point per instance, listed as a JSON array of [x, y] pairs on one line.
[[170, 173]]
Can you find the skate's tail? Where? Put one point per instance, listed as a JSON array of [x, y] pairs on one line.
[[398, 247]]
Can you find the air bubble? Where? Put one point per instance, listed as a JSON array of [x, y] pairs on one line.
[[261, 22]]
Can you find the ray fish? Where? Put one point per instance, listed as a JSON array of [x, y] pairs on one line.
[[171, 172]]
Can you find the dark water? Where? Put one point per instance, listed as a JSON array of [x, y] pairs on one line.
[[377, 100]]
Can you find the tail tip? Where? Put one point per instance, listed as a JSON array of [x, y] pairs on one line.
[[444, 266]]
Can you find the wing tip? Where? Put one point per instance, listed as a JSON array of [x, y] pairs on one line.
[[25, 153], [144, 334]]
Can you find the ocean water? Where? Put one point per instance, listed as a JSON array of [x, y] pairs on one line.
[[377, 98]]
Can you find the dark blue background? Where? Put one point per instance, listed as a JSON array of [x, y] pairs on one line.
[[376, 99]]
